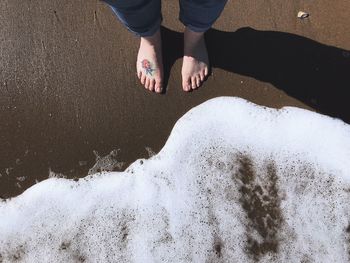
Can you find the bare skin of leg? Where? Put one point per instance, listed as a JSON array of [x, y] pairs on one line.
[[149, 63], [195, 65]]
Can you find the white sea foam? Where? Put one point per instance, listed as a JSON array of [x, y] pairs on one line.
[[235, 182]]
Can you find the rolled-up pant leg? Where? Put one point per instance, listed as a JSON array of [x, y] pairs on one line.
[[200, 15], [142, 17]]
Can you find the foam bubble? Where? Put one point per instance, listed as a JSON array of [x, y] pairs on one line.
[[234, 182]]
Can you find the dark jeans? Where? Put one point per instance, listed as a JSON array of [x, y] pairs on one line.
[[143, 17]]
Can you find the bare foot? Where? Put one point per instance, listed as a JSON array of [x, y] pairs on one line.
[[149, 62], [195, 64]]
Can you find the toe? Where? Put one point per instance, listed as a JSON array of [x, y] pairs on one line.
[[186, 85], [147, 83], [193, 83], [158, 86], [151, 84], [139, 74], [201, 76], [143, 79], [198, 81], [206, 71]]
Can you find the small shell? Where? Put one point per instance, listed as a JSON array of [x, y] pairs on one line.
[[303, 15]]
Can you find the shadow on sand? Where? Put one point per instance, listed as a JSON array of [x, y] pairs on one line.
[[314, 73]]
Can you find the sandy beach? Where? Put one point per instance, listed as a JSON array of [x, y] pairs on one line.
[[68, 86], [217, 177]]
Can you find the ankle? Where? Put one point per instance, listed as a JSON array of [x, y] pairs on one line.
[[192, 40], [154, 40], [192, 35]]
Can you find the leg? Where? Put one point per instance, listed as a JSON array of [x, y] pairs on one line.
[[143, 18], [198, 16]]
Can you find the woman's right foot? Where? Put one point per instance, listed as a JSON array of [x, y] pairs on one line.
[[195, 65], [149, 63]]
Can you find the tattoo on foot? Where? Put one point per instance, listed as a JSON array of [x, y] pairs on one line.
[[146, 65]]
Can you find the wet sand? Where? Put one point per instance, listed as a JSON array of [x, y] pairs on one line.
[[68, 85]]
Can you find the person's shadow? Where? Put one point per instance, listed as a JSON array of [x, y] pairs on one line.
[[314, 73]]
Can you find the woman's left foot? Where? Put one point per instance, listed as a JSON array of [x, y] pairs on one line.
[[149, 62], [195, 65]]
